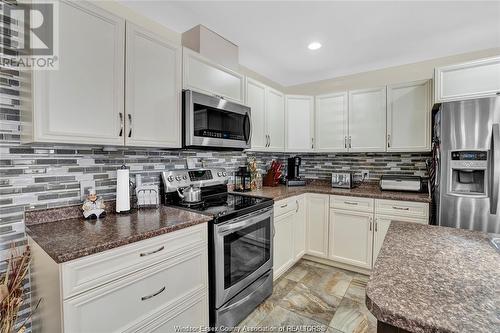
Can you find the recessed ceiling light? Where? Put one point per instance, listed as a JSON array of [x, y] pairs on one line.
[[314, 46]]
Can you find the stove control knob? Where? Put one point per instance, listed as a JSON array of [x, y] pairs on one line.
[[170, 178], [178, 178], [219, 174], [185, 177], [224, 174]]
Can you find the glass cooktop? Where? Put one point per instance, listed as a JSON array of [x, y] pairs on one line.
[[227, 205]]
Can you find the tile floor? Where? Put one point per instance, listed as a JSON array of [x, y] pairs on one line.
[[314, 294]]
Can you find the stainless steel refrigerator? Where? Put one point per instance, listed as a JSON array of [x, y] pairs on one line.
[[467, 157]]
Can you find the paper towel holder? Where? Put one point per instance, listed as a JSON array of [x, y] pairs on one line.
[[123, 190]]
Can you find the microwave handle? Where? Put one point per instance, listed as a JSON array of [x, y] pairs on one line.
[[495, 164], [247, 127]]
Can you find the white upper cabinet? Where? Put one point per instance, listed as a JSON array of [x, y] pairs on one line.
[[202, 75], [82, 101], [275, 119], [367, 120], [153, 90], [331, 122], [408, 116], [256, 100], [480, 78], [299, 131]]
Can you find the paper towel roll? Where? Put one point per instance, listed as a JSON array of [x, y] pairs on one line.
[[122, 190]]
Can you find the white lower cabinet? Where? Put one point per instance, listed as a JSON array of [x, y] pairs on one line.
[[299, 230], [148, 296], [317, 224], [282, 251], [191, 313], [289, 243], [351, 237]]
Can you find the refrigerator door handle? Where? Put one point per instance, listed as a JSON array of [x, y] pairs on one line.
[[495, 164]]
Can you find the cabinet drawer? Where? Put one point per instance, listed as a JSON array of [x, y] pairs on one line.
[[351, 203], [124, 304], [192, 313], [284, 206], [402, 208], [92, 271]]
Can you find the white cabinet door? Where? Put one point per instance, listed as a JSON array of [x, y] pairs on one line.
[[367, 120], [351, 237], [382, 223], [317, 224], [203, 75], [275, 120], [480, 78], [256, 100], [282, 247], [299, 131], [331, 122], [299, 229], [153, 90], [82, 101], [408, 116]]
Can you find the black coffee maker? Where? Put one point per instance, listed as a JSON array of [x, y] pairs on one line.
[[293, 178]]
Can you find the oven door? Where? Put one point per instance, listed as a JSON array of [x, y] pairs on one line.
[[214, 122], [243, 252]]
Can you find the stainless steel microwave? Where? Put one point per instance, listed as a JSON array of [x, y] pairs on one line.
[[213, 122]]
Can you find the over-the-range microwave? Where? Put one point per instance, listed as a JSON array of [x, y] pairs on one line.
[[213, 122]]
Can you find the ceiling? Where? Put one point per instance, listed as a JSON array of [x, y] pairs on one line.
[[356, 36]]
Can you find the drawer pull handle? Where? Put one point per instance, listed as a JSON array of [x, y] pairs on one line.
[[152, 252], [401, 208], [350, 203], [144, 298], [284, 206]]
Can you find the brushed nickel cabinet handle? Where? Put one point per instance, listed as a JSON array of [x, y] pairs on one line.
[[345, 141], [144, 298], [297, 209], [388, 141], [121, 124], [144, 254], [350, 203], [130, 125], [400, 208], [350, 142], [283, 206]]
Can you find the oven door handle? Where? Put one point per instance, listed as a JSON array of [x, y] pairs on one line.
[[245, 221]]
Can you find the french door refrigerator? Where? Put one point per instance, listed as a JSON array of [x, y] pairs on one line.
[[467, 188]]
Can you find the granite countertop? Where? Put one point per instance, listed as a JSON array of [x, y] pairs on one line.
[[73, 238], [436, 279], [369, 190]]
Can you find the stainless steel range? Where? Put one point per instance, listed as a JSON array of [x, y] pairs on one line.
[[240, 241]]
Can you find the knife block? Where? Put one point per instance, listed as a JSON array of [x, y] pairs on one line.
[[269, 179]]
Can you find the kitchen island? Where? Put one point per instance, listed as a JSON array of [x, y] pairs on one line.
[[435, 279]]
